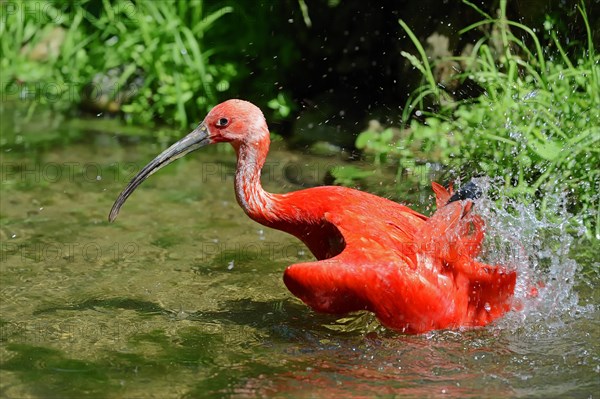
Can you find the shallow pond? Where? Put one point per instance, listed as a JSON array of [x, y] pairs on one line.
[[182, 296]]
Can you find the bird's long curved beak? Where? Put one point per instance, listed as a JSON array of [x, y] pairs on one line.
[[198, 138]]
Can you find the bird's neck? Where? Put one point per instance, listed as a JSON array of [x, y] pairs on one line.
[[254, 200]]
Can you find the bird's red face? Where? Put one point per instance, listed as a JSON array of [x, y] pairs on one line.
[[234, 121]]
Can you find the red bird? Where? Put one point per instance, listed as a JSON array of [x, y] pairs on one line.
[[415, 273]]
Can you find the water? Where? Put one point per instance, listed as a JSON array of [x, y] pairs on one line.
[[182, 296]]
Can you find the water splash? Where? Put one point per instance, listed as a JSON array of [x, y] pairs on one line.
[[538, 248]]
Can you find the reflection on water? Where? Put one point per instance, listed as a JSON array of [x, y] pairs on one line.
[[182, 297]]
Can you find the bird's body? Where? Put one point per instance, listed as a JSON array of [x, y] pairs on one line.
[[415, 273]]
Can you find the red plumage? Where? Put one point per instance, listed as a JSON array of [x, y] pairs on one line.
[[415, 273]]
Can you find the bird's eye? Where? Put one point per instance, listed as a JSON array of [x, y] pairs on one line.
[[222, 122]]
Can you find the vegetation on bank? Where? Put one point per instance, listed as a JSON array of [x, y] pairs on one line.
[[146, 60], [536, 122]]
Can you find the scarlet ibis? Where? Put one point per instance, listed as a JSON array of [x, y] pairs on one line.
[[415, 273]]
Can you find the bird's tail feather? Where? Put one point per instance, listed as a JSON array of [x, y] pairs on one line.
[[453, 236]]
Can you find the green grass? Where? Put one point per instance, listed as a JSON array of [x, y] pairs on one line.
[[148, 59], [537, 123]]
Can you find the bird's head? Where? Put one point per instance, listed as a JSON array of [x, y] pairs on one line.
[[235, 121]]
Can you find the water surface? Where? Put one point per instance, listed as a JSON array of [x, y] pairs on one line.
[[182, 296]]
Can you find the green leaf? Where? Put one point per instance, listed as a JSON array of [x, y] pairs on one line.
[[364, 138], [549, 150]]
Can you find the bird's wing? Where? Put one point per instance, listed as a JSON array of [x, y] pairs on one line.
[[401, 298], [455, 234], [377, 272]]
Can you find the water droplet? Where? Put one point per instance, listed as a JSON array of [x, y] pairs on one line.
[[112, 41]]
